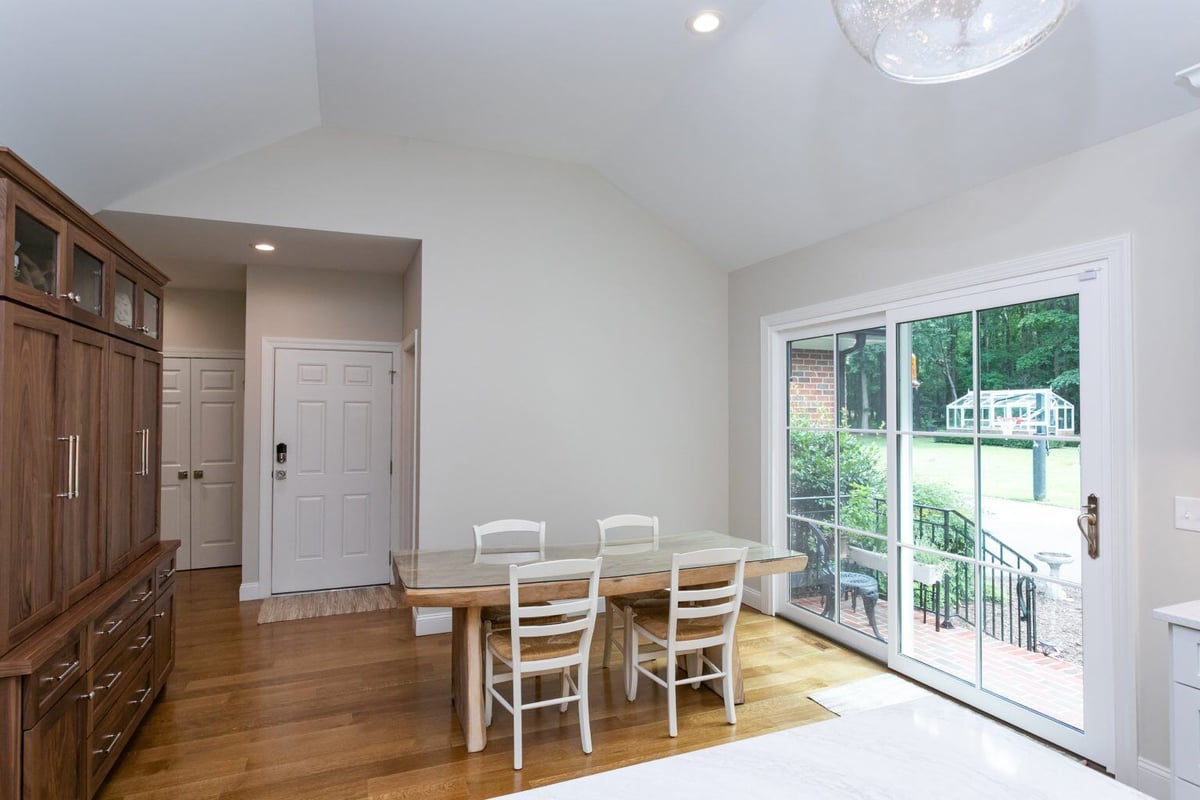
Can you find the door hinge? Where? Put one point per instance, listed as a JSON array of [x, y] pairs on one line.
[[393, 374], [391, 466]]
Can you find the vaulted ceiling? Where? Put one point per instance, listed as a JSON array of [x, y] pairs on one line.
[[768, 136]]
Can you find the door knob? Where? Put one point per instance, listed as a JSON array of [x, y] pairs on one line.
[[183, 475], [198, 474]]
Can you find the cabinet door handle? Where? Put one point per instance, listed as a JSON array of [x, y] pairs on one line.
[[116, 676], [70, 440], [69, 668], [74, 298], [143, 329], [78, 458], [116, 737], [112, 626], [146, 453], [166, 573], [160, 615]]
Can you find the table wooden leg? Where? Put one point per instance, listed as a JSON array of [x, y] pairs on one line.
[[466, 675]]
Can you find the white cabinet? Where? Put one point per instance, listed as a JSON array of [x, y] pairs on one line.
[[1184, 621]]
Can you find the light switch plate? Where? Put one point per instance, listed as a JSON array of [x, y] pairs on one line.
[[1187, 513]]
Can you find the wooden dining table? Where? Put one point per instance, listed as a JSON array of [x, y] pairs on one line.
[[462, 581]]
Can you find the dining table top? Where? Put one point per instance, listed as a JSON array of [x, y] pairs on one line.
[[469, 577]]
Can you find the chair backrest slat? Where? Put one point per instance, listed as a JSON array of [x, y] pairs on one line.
[[579, 613], [698, 603], [510, 541], [647, 524]]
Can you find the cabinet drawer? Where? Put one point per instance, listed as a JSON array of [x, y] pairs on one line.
[[1185, 732], [114, 729], [165, 574], [1185, 655], [108, 627], [110, 678], [1182, 790], [51, 680]]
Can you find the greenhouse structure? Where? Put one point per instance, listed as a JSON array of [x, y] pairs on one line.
[[1029, 412]]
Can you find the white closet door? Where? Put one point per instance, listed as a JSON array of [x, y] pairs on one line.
[[176, 457], [216, 454]]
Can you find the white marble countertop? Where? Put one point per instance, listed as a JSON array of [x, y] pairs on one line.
[[1186, 614], [925, 749]]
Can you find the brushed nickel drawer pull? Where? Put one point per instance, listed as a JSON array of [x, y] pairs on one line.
[[89, 696], [160, 615], [63, 676], [116, 737], [112, 626], [166, 573], [146, 596], [144, 694], [69, 494], [116, 676], [146, 640]]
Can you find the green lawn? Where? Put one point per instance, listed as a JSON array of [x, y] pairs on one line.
[[1006, 471]]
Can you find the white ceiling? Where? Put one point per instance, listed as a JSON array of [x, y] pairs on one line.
[[210, 254], [767, 137]]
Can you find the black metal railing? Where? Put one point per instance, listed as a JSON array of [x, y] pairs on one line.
[[1009, 600]]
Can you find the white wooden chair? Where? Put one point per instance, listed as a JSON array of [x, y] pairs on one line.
[[536, 644], [619, 608], [506, 541], [693, 620]]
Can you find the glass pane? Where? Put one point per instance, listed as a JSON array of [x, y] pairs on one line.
[[812, 399], [940, 631], [150, 314], [1029, 368], [811, 490], [35, 253], [123, 305], [863, 583], [862, 394], [862, 472], [87, 279], [812, 589], [1031, 497], [937, 382], [939, 509], [1038, 661]]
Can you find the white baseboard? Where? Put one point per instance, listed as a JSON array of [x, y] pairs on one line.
[[430, 621], [1154, 779], [752, 598], [249, 591]]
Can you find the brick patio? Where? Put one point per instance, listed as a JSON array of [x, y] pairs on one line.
[[1044, 684]]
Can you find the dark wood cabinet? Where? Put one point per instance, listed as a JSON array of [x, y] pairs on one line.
[[86, 597], [53, 751], [33, 469], [124, 451], [147, 496], [84, 523]]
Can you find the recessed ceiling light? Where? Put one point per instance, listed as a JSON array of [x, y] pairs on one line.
[[264, 247], [704, 22]]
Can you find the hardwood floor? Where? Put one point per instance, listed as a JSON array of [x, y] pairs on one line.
[[356, 706]]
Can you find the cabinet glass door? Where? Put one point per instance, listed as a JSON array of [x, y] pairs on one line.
[[123, 303], [87, 281], [150, 314], [35, 253]]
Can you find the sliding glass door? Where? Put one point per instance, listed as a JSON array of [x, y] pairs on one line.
[[938, 461]]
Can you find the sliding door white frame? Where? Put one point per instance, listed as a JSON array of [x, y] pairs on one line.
[[1113, 257]]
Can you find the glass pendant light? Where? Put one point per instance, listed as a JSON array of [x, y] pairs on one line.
[[936, 41]]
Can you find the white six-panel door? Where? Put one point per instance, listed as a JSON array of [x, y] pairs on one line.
[[202, 460], [332, 496]]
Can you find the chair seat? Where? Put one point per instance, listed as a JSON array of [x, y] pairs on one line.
[[639, 599], [655, 621], [536, 649]]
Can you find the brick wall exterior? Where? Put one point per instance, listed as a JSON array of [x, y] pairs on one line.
[[812, 396]]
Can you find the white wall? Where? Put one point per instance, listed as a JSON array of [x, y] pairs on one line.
[[1146, 184], [573, 350], [203, 319], [307, 304]]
